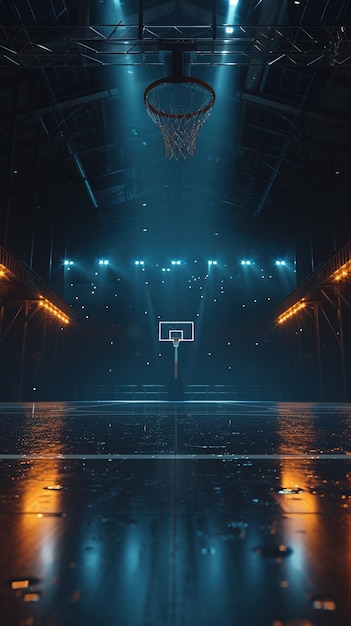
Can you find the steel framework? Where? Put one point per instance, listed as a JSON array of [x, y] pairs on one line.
[[139, 44], [323, 298]]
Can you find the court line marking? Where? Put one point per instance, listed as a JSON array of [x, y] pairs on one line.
[[176, 457]]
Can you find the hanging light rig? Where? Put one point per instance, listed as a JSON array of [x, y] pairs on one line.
[[179, 104]]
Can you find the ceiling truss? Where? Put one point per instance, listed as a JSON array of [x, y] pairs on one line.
[[139, 44]]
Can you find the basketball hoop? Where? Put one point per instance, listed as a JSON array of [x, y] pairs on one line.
[[179, 108]]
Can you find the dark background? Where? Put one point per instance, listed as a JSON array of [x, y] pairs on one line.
[[83, 177]]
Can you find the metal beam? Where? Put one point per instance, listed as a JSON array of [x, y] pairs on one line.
[[102, 45], [321, 276], [19, 272], [77, 102], [268, 103], [281, 107]]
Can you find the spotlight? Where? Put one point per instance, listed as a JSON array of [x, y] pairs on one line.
[[176, 262], [67, 262], [139, 263], [103, 262], [229, 30], [233, 3], [212, 262], [246, 262], [279, 262]]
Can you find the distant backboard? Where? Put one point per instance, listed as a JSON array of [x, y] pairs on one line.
[[171, 331]]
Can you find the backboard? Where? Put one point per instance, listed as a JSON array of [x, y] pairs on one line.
[[171, 331]]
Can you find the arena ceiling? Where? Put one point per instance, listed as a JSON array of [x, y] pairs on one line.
[[272, 161]]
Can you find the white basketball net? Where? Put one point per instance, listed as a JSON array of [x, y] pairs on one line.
[[179, 110]]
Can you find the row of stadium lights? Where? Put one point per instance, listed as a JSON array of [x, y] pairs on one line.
[[105, 262]]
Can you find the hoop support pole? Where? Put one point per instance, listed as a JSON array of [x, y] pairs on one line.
[[176, 348]]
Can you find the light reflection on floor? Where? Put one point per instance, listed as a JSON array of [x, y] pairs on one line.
[[175, 514]]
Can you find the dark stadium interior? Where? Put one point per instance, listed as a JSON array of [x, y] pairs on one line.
[[84, 177], [175, 312]]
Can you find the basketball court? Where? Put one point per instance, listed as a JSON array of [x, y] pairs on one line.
[[175, 514]]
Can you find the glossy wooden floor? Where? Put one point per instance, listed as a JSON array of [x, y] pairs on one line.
[[175, 514]]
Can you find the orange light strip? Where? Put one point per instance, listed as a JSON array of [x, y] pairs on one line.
[[53, 310], [291, 311], [342, 272], [3, 270]]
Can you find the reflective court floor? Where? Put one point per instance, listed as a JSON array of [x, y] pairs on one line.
[[175, 514]]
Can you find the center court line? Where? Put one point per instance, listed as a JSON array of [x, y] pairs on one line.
[[178, 457]]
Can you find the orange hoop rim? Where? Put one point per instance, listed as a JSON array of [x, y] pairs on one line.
[[187, 80]]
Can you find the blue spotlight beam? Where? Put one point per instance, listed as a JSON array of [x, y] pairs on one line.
[[214, 19], [141, 20]]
